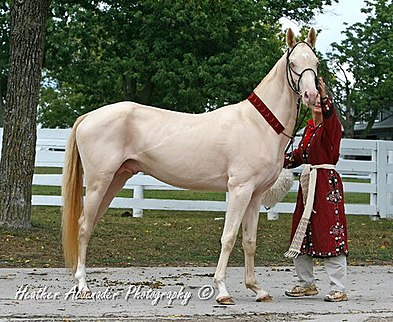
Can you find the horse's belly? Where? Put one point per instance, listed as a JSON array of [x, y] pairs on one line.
[[187, 171], [185, 183], [188, 176]]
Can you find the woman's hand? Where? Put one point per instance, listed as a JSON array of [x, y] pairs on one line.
[[322, 88]]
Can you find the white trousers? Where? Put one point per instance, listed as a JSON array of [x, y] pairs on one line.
[[336, 268]]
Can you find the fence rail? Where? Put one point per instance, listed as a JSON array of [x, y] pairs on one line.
[[360, 159]]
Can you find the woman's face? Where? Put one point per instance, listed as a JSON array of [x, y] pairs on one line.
[[317, 107]]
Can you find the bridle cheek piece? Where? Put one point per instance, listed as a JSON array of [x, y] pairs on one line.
[[295, 86]]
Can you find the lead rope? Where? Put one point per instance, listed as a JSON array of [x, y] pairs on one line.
[[296, 129]]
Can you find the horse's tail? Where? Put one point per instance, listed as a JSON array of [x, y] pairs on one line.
[[279, 189], [72, 192]]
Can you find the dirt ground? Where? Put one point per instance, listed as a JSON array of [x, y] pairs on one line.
[[187, 293]]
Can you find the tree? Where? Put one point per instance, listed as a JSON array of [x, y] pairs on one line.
[[27, 30], [4, 48], [188, 56], [368, 53]]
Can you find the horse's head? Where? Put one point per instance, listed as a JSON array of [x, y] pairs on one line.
[[302, 66]]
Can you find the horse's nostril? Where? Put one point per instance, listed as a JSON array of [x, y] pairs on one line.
[[305, 95]]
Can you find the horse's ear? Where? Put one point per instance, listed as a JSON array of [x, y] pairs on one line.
[[291, 40], [312, 37]]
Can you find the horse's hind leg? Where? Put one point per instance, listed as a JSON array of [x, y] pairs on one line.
[[86, 225], [116, 185], [96, 203], [250, 227]]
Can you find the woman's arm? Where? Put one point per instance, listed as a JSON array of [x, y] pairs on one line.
[[331, 135], [292, 159]]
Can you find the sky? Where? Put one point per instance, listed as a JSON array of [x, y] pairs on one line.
[[331, 22]]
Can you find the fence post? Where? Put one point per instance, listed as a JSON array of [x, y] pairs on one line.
[[272, 215], [382, 159], [390, 183], [373, 196], [137, 194]]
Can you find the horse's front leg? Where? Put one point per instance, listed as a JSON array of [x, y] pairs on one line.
[[239, 198], [250, 227]]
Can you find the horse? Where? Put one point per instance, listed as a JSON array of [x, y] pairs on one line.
[[237, 148]]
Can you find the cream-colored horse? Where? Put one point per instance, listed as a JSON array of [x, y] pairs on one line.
[[230, 149]]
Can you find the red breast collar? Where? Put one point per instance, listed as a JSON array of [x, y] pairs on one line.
[[266, 113]]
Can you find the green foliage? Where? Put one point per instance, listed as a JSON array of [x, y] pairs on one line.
[[187, 56], [368, 52]]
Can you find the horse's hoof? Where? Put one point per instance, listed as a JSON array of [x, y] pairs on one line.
[[266, 298], [225, 300]]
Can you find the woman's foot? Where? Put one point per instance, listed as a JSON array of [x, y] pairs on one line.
[[336, 296], [300, 291]]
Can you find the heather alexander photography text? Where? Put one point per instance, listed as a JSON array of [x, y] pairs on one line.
[[131, 293]]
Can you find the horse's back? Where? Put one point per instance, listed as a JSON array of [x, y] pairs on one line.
[[123, 116], [135, 112]]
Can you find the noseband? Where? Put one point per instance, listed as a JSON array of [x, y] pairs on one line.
[[295, 86]]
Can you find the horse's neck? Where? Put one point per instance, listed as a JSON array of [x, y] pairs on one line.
[[276, 93]]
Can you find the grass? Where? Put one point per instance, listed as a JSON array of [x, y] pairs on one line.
[[176, 239]]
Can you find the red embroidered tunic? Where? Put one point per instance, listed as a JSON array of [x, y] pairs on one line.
[[326, 234]]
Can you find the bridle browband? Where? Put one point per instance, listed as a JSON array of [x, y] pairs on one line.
[[265, 111]]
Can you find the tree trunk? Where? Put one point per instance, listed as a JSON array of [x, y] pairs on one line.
[[28, 25], [1, 110], [348, 125], [370, 124], [146, 92]]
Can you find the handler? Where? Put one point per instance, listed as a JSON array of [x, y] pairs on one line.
[[319, 228]]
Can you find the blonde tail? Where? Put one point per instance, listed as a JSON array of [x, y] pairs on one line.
[[72, 192], [279, 190]]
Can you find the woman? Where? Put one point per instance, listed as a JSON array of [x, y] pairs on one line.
[[319, 226]]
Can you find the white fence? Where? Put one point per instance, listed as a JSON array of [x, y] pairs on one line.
[[376, 167]]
